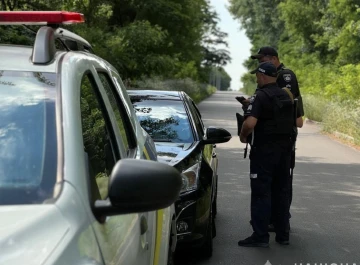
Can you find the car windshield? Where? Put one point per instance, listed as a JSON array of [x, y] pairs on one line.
[[164, 120], [28, 153]]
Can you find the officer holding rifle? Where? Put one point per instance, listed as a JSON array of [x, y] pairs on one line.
[[286, 79]]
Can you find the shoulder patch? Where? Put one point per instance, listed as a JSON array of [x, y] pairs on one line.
[[252, 99], [287, 77]]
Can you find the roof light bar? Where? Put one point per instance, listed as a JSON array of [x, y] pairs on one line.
[[40, 17]]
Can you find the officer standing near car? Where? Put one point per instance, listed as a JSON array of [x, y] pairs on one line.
[[286, 79], [269, 120]]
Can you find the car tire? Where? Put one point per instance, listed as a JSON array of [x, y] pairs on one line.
[[206, 249]]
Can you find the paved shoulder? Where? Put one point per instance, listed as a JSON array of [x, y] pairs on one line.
[[326, 206]]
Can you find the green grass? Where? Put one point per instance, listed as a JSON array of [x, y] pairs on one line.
[[315, 107], [343, 117]]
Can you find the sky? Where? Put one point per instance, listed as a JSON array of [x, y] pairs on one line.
[[239, 44]]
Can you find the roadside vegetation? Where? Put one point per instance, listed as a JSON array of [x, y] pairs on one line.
[[195, 90], [154, 43], [319, 41]]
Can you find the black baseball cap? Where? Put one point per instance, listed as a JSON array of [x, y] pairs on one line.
[[265, 51], [266, 68]]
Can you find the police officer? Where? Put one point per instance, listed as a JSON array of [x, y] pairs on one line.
[[269, 120], [286, 79]]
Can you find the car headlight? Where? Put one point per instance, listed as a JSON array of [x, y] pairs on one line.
[[189, 178]]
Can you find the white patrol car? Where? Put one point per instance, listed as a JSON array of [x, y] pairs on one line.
[[76, 183]]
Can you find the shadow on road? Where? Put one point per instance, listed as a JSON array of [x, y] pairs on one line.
[[325, 215]]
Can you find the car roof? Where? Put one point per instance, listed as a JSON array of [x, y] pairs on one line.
[[51, 42], [18, 58], [156, 94]]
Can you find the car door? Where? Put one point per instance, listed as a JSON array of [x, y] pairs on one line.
[[209, 150], [123, 239], [209, 153], [128, 136], [147, 149]]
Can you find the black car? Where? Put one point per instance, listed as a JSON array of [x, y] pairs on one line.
[[174, 122]]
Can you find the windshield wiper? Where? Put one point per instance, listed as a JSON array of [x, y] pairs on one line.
[[162, 140]]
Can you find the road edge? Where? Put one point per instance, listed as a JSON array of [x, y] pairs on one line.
[[339, 137]]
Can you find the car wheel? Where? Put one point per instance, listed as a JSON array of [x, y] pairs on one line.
[[207, 248]]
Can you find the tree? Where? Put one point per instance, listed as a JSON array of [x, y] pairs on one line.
[[316, 39], [263, 26], [225, 80], [213, 37], [219, 78], [341, 26], [167, 38]]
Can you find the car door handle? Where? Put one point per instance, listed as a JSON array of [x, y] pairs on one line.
[[143, 225]]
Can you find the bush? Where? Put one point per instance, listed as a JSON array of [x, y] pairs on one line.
[[315, 107], [195, 90], [343, 117], [340, 116], [249, 84]]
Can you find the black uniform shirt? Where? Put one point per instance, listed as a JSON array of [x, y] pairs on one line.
[[261, 107], [287, 78]]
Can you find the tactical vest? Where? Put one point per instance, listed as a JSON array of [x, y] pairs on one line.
[[275, 125]]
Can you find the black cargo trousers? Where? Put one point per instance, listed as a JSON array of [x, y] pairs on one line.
[[269, 173]]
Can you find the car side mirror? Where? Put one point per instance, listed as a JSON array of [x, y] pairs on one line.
[[140, 186], [216, 135]]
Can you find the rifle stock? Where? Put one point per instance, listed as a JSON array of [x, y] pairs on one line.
[[240, 121]]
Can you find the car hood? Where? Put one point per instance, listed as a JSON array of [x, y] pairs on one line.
[[173, 153], [30, 233]]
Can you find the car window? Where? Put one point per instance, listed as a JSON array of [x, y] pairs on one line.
[[195, 114], [198, 114], [28, 138], [121, 87], [123, 123], [164, 120], [100, 147]]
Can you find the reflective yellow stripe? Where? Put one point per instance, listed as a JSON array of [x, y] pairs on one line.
[[159, 224], [146, 153]]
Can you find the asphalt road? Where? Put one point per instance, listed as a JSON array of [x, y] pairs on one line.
[[326, 204]]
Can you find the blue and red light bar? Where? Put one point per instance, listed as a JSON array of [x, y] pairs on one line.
[[40, 17]]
